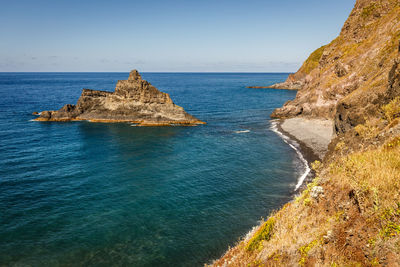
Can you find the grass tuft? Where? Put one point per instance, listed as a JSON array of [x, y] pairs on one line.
[[368, 130], [305, 249], [392, 110]]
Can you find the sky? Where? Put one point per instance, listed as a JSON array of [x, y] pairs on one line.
[[165, 35]]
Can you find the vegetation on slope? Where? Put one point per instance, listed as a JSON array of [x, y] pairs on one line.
[[312, 61], [348, 216]]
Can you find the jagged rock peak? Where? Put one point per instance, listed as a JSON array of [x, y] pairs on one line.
[[134, 100], [134, 75]]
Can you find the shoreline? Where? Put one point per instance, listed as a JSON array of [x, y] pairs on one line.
[[309, 138], [306, 151], [310, 145], [314, 133]]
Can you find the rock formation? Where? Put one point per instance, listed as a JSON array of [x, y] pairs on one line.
[[134, 100], [291, 83]]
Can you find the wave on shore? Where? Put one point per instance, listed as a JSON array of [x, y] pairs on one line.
[[293, 144], [242, 131]]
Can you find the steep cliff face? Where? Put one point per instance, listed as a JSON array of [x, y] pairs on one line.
[[134, 100], [343, 80]]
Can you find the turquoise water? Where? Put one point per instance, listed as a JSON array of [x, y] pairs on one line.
[[87, 194]]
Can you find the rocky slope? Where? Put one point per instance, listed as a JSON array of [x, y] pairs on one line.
[[352, 69], [349, 215], [134, 100]]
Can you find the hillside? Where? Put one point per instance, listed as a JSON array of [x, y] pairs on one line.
[[349, 215]]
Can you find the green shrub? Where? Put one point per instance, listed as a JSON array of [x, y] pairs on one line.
[[263, 234], [305, 249]]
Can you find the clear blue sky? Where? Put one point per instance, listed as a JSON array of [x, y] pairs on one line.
[[165, 35]]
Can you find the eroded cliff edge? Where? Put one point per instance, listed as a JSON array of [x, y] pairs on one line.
[[349, 215], [135, 100]]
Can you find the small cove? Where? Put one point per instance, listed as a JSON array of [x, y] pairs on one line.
[[93, 194]]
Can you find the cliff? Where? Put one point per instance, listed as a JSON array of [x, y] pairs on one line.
[[349, 214], [351, 69], [134, 100]]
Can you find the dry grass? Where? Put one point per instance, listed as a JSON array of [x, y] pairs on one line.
[[368, 130], [374, 174]]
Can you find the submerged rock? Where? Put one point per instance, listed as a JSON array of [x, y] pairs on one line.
[[134, 100]]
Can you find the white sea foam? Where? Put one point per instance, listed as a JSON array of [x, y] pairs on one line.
[[242, 131], [293, 144]]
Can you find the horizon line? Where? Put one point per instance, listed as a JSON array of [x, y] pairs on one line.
[[277, 72]]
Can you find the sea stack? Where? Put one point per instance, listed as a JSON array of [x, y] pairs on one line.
[[135, 100]]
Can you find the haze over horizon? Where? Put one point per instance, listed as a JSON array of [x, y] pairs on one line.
[[161, 36]]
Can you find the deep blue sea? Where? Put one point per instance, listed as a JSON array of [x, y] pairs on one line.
[[96, 194]]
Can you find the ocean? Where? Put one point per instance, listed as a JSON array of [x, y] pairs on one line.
[[97, 194]]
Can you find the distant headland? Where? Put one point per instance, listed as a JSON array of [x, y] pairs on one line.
[[135, 100]]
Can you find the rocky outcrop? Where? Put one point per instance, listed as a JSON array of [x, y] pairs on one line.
[[297, 85], [394, 79], [362, 106], [134, 100], [351, 72], [292, 83]]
